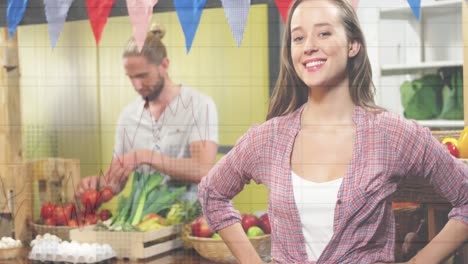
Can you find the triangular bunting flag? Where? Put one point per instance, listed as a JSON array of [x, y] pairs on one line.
[[189, 13], [56, 13], [416, 7], [15, 13], [98, 12], [283, 7], [237, 12], [140, 12]]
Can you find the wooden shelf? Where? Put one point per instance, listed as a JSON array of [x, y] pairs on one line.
[[429, 7], [439, 123], [399, 69]]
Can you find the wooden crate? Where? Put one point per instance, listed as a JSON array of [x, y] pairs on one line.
[[53, 180], [133, 245]]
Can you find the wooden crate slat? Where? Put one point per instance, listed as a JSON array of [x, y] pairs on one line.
[[163, 232], [162, 247], [131, 244]]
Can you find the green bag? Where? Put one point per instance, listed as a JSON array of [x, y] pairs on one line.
[[421, 97]]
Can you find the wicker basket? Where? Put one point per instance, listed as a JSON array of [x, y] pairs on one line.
[[62, 232], [217, 251], [440, 135], [11, 253]]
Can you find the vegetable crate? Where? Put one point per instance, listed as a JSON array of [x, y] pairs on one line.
[[53, 180], [133, 245]]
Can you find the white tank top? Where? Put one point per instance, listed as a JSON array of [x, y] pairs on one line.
[[316, 204]]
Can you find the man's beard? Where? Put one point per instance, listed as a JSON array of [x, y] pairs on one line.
[[157, 89]]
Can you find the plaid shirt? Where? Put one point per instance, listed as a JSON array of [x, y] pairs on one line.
[[387, 149]]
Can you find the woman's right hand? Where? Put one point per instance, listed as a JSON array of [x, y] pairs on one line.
[[239, 244]]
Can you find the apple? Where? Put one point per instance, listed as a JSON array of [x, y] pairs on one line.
[[255, 231], [200, 227], [452, 149], [216, 236], [264, 223], [249, 220]]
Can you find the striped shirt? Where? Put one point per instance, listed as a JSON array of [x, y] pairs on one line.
[[387, 149]]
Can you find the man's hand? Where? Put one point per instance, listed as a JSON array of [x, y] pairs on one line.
[[87, 183], [121, 167]]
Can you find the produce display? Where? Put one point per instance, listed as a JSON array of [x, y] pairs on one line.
[[74, 214], [457, 147], [209, 244], [149, 206], [51, 248], [252, 225]]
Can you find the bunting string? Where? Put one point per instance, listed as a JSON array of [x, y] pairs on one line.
[[189, 13]]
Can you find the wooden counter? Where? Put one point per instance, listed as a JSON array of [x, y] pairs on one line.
[[174, 257]]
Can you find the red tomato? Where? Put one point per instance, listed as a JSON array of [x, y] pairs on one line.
[[91, 219], [47, 210], [49, 222], [70, 209], [106, 194], [73, 223], [104, 215], [61, 216], [90, 199]]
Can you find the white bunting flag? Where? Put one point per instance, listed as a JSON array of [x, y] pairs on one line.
[[56, 12], [237, 12]]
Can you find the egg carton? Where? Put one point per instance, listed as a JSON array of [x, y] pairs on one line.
[[71, 252]]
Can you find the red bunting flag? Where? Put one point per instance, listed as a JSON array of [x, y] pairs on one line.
[[283, 7], [98, 12]]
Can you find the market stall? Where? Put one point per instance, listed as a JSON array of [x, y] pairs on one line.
[[26, 190]]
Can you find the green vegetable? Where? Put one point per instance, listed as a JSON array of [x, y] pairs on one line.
[[183, 212], [146, 196], [150, 184], [163, 201], [421, 98]]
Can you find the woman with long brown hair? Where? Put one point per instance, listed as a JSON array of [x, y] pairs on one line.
[[330, 157]]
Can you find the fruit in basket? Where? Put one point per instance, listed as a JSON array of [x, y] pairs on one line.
[[452, 148], [105, 214], [106, 194], [255, 231], [61, 215], [216, 236], [91, 219], [90, 200], [47, 210], [264, 223], [249, 220], [49, 222], [70, 210], [200, 227], [73, 223]]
